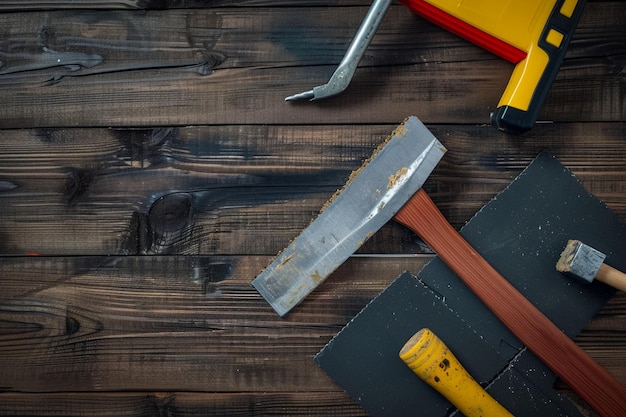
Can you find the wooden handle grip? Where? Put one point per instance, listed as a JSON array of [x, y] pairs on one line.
[[566, 359], [612, 277], [431, 360]]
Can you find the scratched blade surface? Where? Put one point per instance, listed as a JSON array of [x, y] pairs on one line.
[[369, 200]]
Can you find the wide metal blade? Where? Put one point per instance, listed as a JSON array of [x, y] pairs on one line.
[[370, 199]]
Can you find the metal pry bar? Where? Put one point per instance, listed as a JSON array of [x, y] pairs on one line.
[[342, 76]]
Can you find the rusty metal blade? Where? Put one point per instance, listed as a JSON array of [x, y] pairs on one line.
[[369, 200]]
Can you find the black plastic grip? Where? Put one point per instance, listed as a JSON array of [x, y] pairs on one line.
[[512, 120]]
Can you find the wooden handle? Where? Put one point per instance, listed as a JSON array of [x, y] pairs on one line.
[[566, 359], [436, 365], [612, 277]]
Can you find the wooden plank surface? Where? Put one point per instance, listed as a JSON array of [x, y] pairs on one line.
[[249, 189], [176, 323], [234, 66], [149, 169]]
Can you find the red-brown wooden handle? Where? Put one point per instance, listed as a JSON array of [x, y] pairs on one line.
[[566, 359]]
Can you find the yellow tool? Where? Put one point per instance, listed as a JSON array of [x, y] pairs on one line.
[[436, 365], [533, 34]]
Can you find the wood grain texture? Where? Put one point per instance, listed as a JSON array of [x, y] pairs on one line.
[[35, 5], [249, 189], [175, 323], [148, 157], [182, 404], [233, 66]]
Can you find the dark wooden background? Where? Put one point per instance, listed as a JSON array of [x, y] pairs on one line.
[[149, 161]]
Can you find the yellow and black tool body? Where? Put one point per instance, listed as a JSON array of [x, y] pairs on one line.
[[533, 34]]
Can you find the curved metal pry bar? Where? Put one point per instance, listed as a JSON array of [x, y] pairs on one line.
[[344, 72]]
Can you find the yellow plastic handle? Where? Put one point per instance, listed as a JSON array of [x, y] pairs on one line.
[[436, 365]]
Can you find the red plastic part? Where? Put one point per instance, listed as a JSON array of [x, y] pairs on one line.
[[465, 30]]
